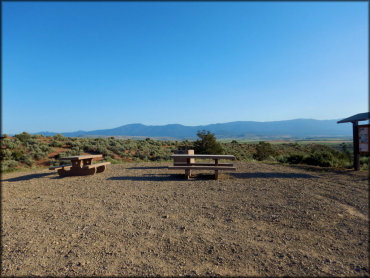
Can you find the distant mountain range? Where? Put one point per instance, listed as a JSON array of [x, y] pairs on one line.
[[298, 128]]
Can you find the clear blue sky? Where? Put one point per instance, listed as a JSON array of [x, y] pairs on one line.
[[94, 65]]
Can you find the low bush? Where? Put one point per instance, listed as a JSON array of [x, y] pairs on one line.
[[365, 162], [264, 150], [29, 161], [57, 144], [23, 137], [59, 137], [6, 154], [8, 165], [282, 158], [17, 155], [295, 158]]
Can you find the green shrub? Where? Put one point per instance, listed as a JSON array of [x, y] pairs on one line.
[[207, 144], [365, 162], [29, 161], [40, 155], [323, 159], [11, 143], [17, 155], [263, 151], [282, 158], [57, 144], [295, 158], [53, 162], [59, 137], [23, 137], [8, 165], [6, 154]]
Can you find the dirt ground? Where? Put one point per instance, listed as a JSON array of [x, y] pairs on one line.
[[142, 219]]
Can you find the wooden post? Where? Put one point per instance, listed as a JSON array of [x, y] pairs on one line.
[[183, 161], [216, 171], [356, 147], [187, 171], [189, 162]]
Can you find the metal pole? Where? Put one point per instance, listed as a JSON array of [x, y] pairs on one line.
[[356, 147]]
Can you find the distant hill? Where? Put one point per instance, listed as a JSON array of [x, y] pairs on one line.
[[298, 128]]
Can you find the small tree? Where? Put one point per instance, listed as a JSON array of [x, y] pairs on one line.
[[207, 143]]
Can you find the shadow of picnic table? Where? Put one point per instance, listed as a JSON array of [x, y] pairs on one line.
[[149, 177], [263, 175], [148, 167], [28, 177], [164, 177]]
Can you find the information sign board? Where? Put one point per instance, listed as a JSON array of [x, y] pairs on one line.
[[363, 136]]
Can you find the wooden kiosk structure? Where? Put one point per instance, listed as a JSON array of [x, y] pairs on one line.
[[361, 142]]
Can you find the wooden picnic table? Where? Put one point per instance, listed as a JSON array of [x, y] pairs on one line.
[[80, 165], [192, 165]]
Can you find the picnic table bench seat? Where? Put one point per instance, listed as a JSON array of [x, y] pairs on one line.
[[65, 166], [100, 167], [196, 167], [205, 164], [95, 165]]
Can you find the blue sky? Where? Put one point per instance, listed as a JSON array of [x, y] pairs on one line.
[[94, 65]]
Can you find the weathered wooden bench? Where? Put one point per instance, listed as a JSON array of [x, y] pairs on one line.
[[216, 166]]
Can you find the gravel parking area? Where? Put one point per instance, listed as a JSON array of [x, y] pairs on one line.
[[142, 219]]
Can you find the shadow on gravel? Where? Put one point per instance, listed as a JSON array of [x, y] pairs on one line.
[[271, 175], [57, 177], [168, 177], [146, 168], [29, 177], [149, 177], [318, 169]]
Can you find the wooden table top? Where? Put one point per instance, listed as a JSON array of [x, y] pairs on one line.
[[81, 157], [205, 156]]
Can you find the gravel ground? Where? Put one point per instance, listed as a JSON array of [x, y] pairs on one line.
[[142, 219]]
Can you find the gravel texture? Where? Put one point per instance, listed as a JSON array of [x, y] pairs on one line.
[[142, 219]]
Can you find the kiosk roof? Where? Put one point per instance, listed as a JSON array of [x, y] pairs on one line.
[[356, 118]]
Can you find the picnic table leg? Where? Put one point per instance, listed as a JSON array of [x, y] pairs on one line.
[[216, 171], [100, 169], [62, 172], [187, 174], [188, 171]]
